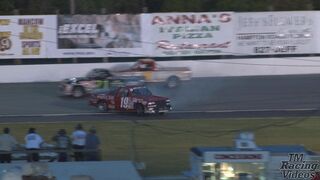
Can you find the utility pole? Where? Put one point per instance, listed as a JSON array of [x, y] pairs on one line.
[[144, 6], [72, 7]]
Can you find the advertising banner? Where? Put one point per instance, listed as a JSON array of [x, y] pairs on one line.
[[275, 33], [317, 31], [191, 34], [236, 156], [99, 35], [25, 36]]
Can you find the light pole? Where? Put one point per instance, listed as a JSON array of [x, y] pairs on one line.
[[72, 7]]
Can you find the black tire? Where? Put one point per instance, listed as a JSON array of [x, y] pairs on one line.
[[102, 106], [139, 110], [78, 92], [173, 81]]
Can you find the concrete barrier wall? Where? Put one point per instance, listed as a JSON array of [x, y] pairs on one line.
[[99, 170], [200, 68]]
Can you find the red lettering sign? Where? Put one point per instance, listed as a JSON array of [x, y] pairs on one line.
[[238, 156], [181, 19]]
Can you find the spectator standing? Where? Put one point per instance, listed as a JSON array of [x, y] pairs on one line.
[[33, 143], [63, 143], [92, 145], [78, 142], [7, 144]]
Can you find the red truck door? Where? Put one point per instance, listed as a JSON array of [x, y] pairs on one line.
[[123, 100], [117, 99]]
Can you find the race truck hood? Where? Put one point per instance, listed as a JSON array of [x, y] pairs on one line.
[[154, 98], [174, 69], [100, 91], [75, 79], [117, 72]]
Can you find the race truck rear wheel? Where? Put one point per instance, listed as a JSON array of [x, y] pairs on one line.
[[173, 81], [102, 106], [78, 92], [139, 110]]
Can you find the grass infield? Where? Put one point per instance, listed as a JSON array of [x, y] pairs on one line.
[[164, 145]]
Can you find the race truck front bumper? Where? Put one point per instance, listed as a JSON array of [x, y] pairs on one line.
[[158, 107], [65, 89]]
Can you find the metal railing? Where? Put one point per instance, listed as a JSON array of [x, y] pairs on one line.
[[49, 154]]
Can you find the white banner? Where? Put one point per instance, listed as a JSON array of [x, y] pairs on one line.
[[275, 33], [99, 36], [26, 36], [191, 34], [317, 31], [236, 156]]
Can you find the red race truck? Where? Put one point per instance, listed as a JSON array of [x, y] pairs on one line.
[[138, 99]]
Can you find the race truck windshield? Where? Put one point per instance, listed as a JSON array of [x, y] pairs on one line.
[[91, 74], [141, 92]]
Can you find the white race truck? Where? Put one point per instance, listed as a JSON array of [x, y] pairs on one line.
[[153, 72]]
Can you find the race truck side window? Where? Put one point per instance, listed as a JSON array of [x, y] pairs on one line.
[[148, 67], [141, 92], [123, 92], [112, 91]]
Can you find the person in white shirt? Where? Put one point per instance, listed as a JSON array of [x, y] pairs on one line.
[[78, 138], [7, 144], [33, 142]]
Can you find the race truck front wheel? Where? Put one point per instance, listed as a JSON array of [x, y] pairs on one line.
[[78, 92], [139, 110], [173, 81]]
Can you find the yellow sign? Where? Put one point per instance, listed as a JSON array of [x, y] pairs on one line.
[[31, 47], [31, 51], [31, 32], [5, 34], [4, 22]]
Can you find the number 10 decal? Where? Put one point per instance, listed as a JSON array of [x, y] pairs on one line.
[[124, 102]]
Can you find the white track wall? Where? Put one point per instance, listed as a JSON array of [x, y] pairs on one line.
[[203, 68]]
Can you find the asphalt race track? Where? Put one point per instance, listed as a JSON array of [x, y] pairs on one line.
[[197, 99]]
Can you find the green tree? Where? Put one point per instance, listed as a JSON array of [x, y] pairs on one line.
[[153, 5], [63, 7], [242, 5], [290, 5], [136, 6], [31, 7], [6, 7], [122, 6], [181, 6], [86, 7], [263, 5]]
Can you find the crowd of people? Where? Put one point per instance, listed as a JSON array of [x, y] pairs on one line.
[[81, 145]]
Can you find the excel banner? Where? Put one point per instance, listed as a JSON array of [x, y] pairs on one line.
[[99, 36]]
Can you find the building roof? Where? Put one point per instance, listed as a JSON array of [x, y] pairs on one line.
[[273, 149]]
